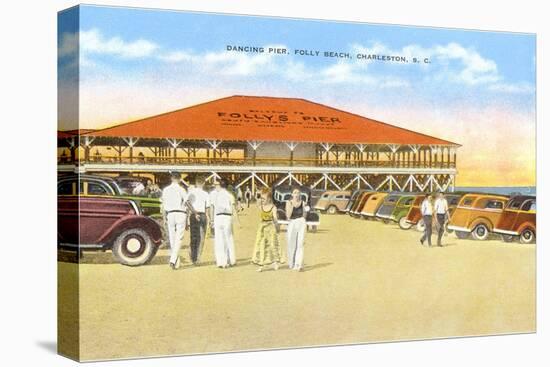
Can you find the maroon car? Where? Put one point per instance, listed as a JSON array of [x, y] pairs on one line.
[[99, 223]]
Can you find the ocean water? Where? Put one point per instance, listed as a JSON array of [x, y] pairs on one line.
[[501, 190]]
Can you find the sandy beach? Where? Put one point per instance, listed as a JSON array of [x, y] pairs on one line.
[[363, 281]]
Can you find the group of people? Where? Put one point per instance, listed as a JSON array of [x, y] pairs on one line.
[[434, 206], [217, 210]]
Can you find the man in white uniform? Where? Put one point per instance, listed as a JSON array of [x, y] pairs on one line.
[[441, 208], [223, 207], [174, 205]]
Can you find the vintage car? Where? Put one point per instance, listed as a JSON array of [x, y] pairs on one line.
[[519, 220], [95, 185], [477, 214], [333, 202], [107, 223], [385, 210], [401, 209], [372, 204], [361, 200], [354, 195], [282, 193]]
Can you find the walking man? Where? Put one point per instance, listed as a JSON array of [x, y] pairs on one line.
[[223, 209], [441, 208], [248, 196], [198, 223], [174, 205], [427, 211]]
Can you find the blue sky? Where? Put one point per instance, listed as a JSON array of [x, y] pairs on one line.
[[137, 62]]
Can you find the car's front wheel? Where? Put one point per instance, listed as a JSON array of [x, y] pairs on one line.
[[134, 247], [527, 236], [480, 232], [403, 224], [332, 210]]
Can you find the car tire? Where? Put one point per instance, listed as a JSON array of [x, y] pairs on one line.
[[480, 232], [508, 238], [420, 225], [462, 235], [332, 210], [403, 224], [527, 236], [134, 247]]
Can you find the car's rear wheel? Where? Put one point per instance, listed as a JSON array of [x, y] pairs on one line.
[[462, 235], [527, 236], [508, 238], [403, 224], [420, 227], [134, 247], [332, 209], [480, 232]]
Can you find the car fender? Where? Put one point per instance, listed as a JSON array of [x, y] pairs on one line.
[[527, 225], [481, 220], [129, 222]]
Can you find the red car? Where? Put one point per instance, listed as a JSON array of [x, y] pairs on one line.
[[519, 220], [99, 223]]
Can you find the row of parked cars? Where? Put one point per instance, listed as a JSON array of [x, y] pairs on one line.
[[476, 215]]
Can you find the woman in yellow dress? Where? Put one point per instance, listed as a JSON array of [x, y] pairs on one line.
[[266, 247]]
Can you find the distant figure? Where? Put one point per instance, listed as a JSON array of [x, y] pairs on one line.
[[247, 196], [441, 208], [198, 223], [139, 189], [141, 157], [222, 209], [266, 247], [174, 204], [239, 194], [427, 211], [296, 211]]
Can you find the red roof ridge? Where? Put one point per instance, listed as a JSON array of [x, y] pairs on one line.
[[381, 122], [240, 96], [164, 113]]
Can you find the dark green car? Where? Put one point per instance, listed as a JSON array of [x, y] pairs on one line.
[[399, 213]]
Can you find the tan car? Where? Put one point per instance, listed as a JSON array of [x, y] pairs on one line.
[[332, 202], [477, 215], [373, 203]]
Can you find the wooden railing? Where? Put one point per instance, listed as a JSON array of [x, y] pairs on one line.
[[279, 162]]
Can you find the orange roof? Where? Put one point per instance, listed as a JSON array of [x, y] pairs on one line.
[[70, 133], [246, 118]]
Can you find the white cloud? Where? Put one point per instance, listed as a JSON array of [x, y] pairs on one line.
[[93, 41]]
